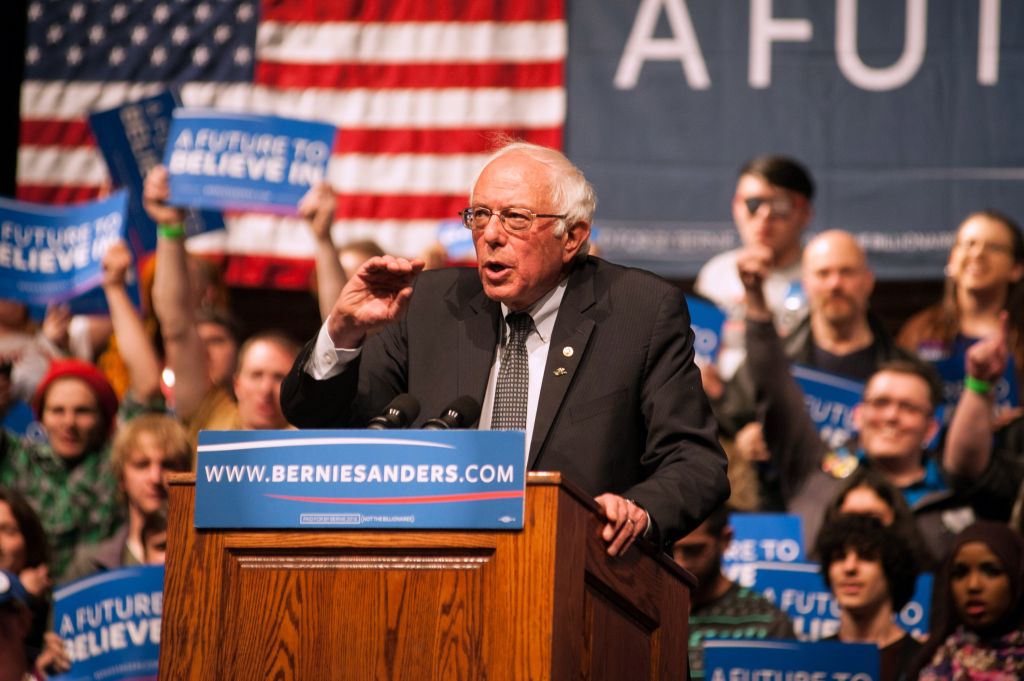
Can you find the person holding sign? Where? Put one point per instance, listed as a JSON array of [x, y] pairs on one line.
[[895, 421], [611, 395], [977, 633], [263, 359], [871, 575]]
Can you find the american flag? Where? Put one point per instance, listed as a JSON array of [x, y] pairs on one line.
[[418, 90]]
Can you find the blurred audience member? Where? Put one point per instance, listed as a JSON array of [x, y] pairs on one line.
[[154, 538], [867, 492], [983, 280], [25, 551], [772, 208], [144, 450], [977, 629], [719, 607], [871, 575]]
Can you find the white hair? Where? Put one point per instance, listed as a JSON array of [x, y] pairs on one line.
[[571, 193]]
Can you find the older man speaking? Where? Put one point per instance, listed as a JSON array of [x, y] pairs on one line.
[[602, 356]]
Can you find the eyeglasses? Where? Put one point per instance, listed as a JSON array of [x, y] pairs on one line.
[[778, 205], [882, 403], [986, 246], [513, 219]]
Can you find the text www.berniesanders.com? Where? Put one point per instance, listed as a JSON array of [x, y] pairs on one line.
[[360, 473]]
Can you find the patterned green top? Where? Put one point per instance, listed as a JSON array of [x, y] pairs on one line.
[[739, 614], [77, 504]]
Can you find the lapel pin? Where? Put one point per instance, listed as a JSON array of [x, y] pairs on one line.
[[567, 351], [560, 371]]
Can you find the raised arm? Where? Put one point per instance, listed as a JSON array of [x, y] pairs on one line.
[[133, 344], [317, 207], [968, 449], [791, 438], [172, 301]]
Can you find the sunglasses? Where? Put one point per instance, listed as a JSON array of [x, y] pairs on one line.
[[779, 205]]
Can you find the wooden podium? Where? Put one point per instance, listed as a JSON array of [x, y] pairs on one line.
[[542, 603]]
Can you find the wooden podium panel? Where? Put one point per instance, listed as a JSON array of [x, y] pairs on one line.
[[542, 603]]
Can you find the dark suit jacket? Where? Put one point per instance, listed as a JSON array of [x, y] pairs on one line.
[[627, 415]]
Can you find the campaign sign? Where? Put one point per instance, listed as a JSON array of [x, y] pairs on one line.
[[799, 591], [457, 240], [110, 624], [244, 161], [51, 254], [370, 479], [830, 400], [132, 138], [791, 660], [706, 320], [762, 538]]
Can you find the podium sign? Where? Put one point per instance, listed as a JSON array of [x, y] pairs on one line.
[[345, 479]]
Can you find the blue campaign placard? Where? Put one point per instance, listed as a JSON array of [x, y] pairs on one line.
[[51, 254], [799, 590], [706, 320], [370, 479], [244, 161], [132, 138], [456, 239], [770, 660], [110, 624], [952, 371], [830, 400], [762, 538]]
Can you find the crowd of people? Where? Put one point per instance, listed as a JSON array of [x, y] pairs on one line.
[[119, 401]]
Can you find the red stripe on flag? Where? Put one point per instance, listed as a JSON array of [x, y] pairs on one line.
[[438, 140], [381, 76], [47, 132], [412, 10], [259, 271], [56, 194]]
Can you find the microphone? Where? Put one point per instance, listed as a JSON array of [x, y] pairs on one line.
[[402, 411], [461, 413]]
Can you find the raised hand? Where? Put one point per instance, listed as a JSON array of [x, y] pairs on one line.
[[116, 263], [156, 190], [317, 207], [986, 360], [375, 296], [753, 265]]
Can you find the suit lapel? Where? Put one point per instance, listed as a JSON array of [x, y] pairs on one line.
[[477, 342], [568, 345]]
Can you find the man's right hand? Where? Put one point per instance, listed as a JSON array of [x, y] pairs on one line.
[[754, 264], [375, 296], [155, 191]]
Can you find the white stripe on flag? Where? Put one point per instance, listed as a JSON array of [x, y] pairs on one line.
[[411, 42]]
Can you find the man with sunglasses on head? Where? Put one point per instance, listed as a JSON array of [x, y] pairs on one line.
[[608, 391], [771, 208]]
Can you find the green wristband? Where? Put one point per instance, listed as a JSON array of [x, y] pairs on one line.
[[976, 385], [171, 231]]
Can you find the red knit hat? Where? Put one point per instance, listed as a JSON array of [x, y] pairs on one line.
[[83, 371]]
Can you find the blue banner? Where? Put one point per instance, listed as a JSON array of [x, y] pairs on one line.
[[110, 624], [51, 254], [907, 114], [706, 320], [762, 538], [777, 660], [799, 591], [244, 161], [132, 139], [412, 479], [830, 400]]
